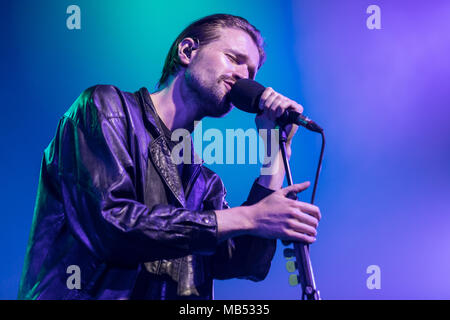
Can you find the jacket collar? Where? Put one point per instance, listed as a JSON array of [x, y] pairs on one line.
[[160, 154]]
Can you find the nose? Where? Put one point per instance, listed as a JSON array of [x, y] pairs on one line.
[[240, 72]]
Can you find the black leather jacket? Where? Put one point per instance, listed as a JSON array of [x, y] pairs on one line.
[[111, 201]]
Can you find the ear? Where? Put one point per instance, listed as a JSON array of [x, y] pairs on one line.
[[185, 50]]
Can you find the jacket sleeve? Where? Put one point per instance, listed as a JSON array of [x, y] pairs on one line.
[[245, 257], [97, 177]]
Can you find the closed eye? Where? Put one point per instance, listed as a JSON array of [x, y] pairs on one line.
[[239, 59], [232, 58]]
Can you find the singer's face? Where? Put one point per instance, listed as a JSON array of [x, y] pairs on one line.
[[217, 65]]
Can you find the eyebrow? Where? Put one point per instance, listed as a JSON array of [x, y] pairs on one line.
[[244, 57]]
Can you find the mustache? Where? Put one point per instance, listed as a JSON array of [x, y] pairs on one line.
[[228, 79]]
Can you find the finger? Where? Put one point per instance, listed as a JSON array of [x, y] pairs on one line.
[[267, 92], [298, 237], [299, 187], [279, 111], [289, 104], [271, 102], [309, 209], [265, 95], [281, 107], [307, 219], [303, 228], [296, 106], [276, 107]]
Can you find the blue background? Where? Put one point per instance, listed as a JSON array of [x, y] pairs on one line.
[[382, 97]]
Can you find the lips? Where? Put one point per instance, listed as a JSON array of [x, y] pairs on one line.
[[228, 84]]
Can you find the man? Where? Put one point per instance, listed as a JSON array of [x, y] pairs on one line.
[[113, 206]]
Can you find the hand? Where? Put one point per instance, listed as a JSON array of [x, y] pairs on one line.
[[278, 217], [274, 105]]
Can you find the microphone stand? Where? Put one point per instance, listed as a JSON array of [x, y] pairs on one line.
[[306, 275]]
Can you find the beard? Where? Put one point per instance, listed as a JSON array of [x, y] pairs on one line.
[[208, 94]]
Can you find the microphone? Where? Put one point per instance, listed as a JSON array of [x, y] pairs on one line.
[[245, 95]]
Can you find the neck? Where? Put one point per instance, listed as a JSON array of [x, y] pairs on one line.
[[176, 106]]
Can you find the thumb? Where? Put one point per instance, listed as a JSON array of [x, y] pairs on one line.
[[296, 187]]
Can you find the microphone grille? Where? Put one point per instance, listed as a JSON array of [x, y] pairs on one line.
[[245, 95]]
